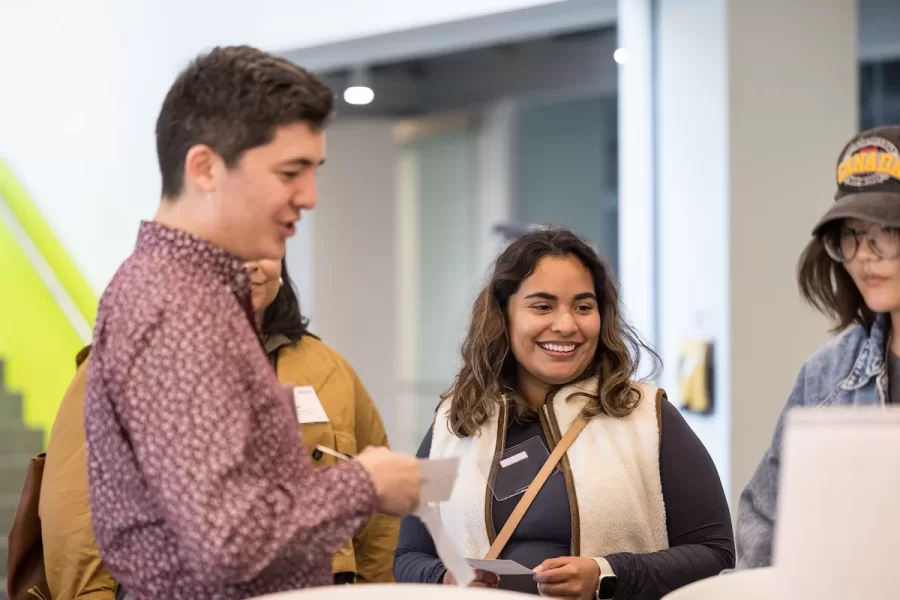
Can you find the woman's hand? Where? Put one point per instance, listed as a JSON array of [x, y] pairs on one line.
[[568, 577], [482, 579]]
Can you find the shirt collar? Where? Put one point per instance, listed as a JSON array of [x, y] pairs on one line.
[[870, 360], [276, 342], [179, 245]]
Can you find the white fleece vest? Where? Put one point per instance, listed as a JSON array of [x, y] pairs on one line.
[[615, 468]]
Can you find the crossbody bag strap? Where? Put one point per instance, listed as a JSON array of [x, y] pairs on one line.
[[535, 487]]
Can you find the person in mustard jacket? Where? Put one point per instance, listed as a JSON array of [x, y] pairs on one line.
[[71, 559], [301, 359]]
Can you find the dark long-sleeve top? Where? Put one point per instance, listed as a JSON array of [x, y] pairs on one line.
[[697, 519]]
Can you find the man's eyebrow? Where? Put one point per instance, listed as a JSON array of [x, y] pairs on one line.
[[303, 162]]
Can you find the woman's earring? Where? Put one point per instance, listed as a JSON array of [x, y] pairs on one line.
[[280, 282]]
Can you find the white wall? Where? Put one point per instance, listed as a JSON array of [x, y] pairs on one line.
[[355, 274], [82, 85], [744, 157], [69, 128], [290, 24], [638, 233], [692, 195], [787, 127]]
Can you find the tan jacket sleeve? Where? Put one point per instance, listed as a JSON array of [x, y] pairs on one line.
[[374, 546], [72, 561]]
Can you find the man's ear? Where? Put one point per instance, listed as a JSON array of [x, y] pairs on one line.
[[199, 168]]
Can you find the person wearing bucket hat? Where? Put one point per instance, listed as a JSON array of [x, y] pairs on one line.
[[850, 271], [868, 181]]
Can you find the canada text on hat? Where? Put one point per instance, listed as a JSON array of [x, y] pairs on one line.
[[868, 161]]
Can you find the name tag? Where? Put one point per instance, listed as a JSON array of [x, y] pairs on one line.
[[516, 458], [309, 407]]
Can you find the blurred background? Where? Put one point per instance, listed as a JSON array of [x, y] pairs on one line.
[[693, 142]]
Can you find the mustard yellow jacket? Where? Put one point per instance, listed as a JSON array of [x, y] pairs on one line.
[[71, 558], [354, 423]]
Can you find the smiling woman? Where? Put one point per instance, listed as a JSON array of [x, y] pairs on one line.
[[553, 335], [548, 287], [547, 348]]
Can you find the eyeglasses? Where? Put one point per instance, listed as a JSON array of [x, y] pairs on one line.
[[843, 243]]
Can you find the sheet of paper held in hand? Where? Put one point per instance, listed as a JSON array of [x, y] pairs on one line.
[[438, 479], [500, 567], [438, 475]]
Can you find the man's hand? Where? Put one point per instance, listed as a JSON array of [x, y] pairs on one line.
[[396, 477], [482, 579], [568, 577]]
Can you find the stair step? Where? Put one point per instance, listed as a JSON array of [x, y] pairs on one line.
[[12, 485], [22, 441], [13, 469], [11, 462], [7, 515], [13, 424], [4, 560], [9, 504], [10, 404], [6, 525]]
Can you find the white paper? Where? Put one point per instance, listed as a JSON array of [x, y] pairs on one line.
[[500, 567], [438, 478], [446, 548], [309, 407], [516, 458]]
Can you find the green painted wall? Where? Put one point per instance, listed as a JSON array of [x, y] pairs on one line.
[[37, 342]]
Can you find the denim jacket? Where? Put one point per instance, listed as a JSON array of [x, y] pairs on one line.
[[847, 371]]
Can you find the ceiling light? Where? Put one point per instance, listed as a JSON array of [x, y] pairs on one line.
[[359, 94], [620, 56], [358, 91]]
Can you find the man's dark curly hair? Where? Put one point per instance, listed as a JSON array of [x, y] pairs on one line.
[[233, 99]]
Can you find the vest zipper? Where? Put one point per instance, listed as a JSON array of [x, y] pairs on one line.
[[551, 430]]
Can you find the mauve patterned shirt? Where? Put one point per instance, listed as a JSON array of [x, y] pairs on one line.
[[199, 485]]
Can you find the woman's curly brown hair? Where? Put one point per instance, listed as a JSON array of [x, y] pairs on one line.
[[489, 369]]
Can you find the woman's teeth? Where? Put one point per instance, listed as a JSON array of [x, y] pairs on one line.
[[558, 347]]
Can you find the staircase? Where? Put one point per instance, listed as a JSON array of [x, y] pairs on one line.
[[18, 444]]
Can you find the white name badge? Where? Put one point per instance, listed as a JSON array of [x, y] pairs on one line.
[[309, 408], [516, 458]]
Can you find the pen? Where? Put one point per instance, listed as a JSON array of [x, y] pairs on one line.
[[326, 450]]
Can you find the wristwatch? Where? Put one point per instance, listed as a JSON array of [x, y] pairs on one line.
[[607, 582], [606, 587]]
